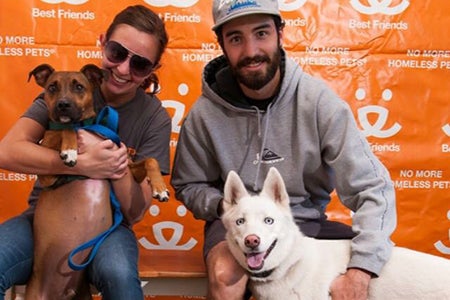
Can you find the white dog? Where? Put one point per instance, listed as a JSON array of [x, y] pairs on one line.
[[283, 264]]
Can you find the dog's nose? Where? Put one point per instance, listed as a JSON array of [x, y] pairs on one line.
[[63, 104], [252, 241]]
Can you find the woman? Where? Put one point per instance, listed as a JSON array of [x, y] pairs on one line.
[[132, 49]]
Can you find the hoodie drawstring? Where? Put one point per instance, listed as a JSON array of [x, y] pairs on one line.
[[263, 144]]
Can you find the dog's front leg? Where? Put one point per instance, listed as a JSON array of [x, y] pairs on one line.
[[52, 140], [69, 147]]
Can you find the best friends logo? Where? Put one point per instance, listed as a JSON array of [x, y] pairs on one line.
[[290, 5], [446, 129], [175, 3], [376, 129], [73, 2], [387, 7]]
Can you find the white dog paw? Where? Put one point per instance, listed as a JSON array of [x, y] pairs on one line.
[[162, 196], [69, 157]]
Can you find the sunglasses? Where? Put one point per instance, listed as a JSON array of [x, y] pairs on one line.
[[116, 53]]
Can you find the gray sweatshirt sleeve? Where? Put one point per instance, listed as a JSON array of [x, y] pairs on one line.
[[196, 176], [363, 185]]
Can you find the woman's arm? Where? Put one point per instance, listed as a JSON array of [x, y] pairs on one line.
[[20, 152], [97, 158], [134, 198]]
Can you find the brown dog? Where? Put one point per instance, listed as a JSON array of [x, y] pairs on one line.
[[75, 211]]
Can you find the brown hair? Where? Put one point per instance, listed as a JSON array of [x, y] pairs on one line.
[[145, 20]]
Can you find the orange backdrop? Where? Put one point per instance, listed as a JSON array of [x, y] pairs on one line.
[[390, 60]]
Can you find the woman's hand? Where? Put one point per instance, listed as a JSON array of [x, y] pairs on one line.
[[99, 158]]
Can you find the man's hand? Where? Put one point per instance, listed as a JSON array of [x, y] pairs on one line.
[[353, 285]]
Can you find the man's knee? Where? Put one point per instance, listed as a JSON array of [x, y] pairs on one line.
[[226, 279]]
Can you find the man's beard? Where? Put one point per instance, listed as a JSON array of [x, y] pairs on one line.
[[258, 79]]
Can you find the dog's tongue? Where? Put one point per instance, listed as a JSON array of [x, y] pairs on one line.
[[255, 261], [65, 119]]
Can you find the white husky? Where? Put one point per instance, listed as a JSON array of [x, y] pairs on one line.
[[283, 264]]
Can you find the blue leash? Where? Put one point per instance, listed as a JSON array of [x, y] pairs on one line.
[[106, 125]]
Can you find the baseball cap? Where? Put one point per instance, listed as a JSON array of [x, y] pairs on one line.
[[227, 10]]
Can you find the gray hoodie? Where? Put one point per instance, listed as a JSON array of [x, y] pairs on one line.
[[308, 133]]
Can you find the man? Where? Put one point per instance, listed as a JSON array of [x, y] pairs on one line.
[[258, 109]]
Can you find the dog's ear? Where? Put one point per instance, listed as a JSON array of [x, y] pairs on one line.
[[94, 74], [233, 191], [41, 73], [274, 187]]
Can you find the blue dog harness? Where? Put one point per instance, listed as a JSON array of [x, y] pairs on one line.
[[105, 125]]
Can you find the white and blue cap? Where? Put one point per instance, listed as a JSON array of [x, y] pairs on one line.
[[227, 10]]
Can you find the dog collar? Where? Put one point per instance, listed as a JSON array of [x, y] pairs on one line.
[[105, 124], [262, 274]]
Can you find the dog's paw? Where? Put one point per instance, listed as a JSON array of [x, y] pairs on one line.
[[69, 157], [162, 196]]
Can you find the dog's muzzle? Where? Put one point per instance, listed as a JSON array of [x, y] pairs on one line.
[[255, 261], [65, 111]]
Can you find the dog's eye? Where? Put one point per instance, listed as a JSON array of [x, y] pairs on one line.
[[79, 87], [52, 88], [240, 221], [268, 220]]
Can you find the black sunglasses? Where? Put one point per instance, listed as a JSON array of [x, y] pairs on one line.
[[116, 53]]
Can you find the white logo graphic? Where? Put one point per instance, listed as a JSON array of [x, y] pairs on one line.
[[176, 3], [446, 129], [376, 129], [290, 5], [73, 2], [179, 107], [440, 246], [178, 115], [177, 232], [380, 6]]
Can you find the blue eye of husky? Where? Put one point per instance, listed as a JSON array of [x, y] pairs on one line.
[[240, 221], [268, 220]]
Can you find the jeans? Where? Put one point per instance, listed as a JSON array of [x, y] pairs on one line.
[[16, 252], [113, 271]]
